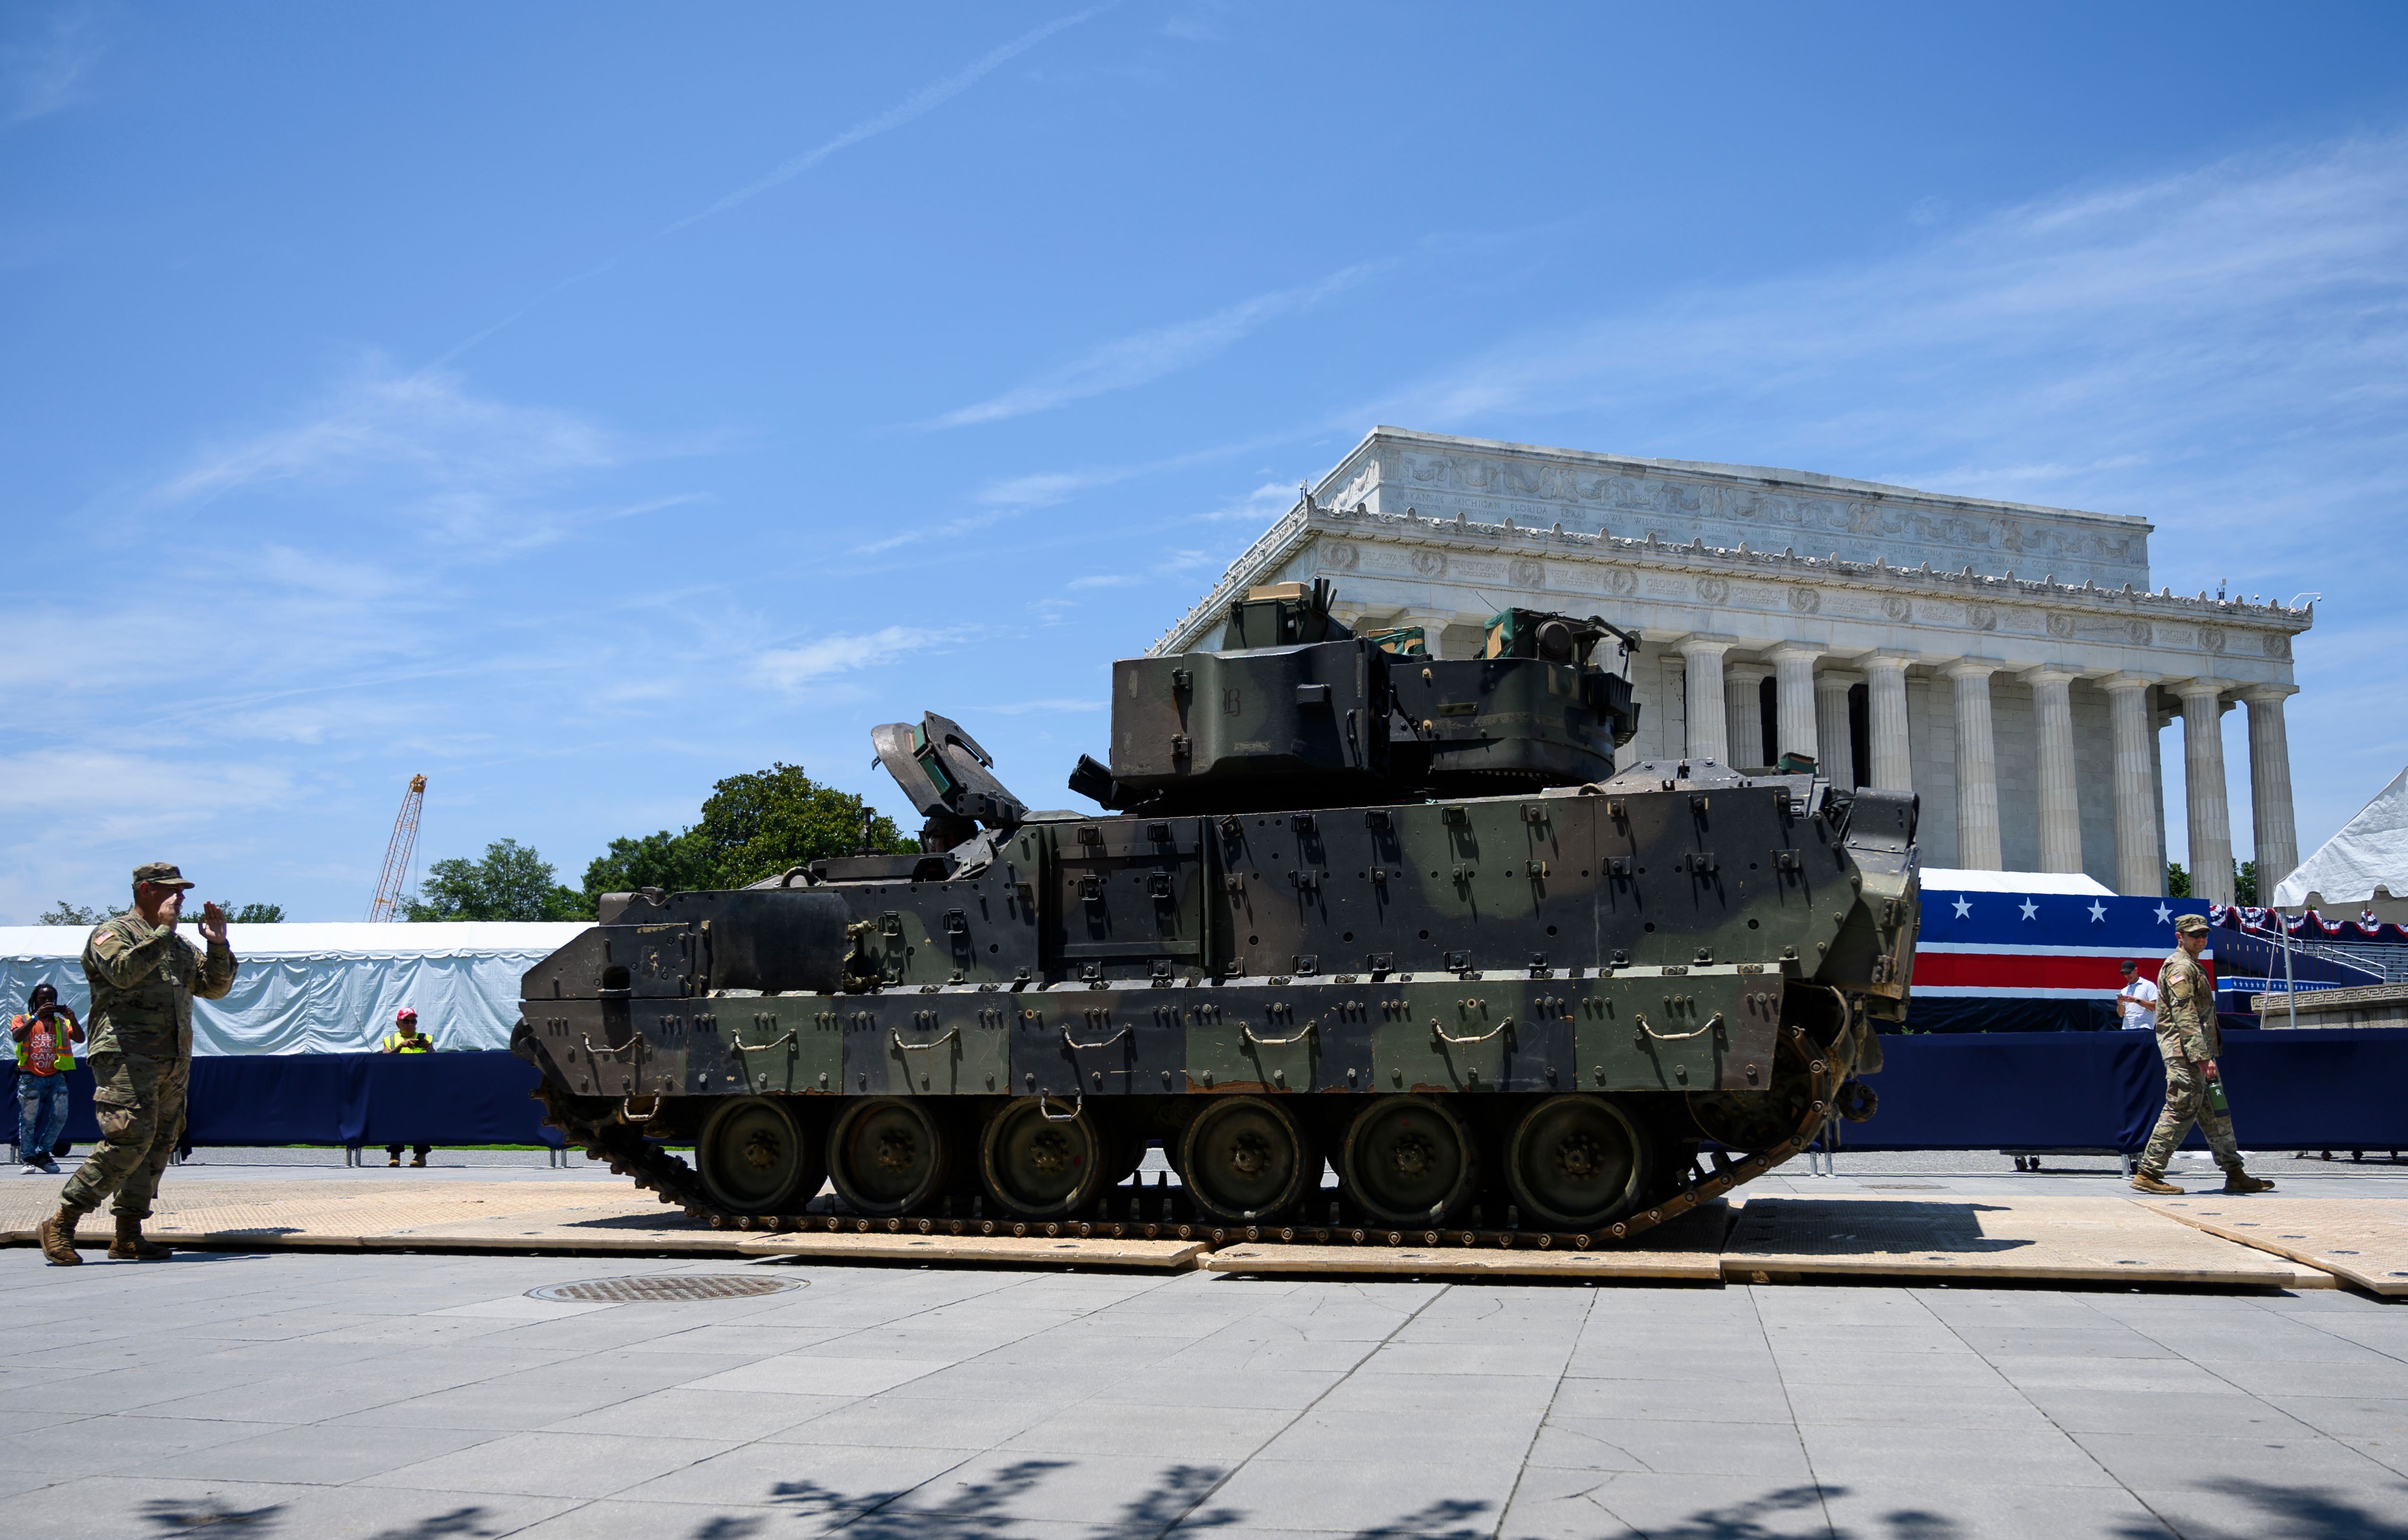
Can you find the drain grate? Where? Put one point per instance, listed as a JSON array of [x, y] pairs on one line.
[[666, 1288]]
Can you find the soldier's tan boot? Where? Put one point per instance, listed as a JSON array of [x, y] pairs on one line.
[[130, 1245], [2238, 1181], [2149, 1181], [58, 1233]]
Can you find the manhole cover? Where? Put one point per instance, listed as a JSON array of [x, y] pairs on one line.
[[666, 1288]]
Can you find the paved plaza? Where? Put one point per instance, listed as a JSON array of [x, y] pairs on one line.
[[331, 1394]]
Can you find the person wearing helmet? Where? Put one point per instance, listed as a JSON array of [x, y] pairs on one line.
[[405, 1037]]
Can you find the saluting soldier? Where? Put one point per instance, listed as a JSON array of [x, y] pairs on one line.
[[143, 977], [2189, 1041]]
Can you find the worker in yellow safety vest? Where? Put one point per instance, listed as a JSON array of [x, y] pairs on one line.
[[405, 1037], [45, 1039]]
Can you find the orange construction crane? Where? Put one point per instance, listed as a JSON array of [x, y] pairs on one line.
[[386, 905]]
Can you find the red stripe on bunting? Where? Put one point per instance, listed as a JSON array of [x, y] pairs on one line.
[[2011, 970]]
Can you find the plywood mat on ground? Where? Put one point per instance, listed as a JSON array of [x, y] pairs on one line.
[[1991, 1240], [2364, 1240], [1688, 1248], [398, 1214]]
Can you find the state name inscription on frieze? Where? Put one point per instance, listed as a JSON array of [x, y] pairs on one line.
[[1626, 501]]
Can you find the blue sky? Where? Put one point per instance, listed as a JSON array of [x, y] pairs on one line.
[[577, 404]]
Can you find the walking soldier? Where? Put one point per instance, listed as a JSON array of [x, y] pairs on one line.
[[2188, 1039], [143, 978]]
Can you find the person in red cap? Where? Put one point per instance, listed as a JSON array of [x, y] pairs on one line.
[[405, 1037]]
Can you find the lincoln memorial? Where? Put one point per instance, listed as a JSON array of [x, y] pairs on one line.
[[2009, 663]]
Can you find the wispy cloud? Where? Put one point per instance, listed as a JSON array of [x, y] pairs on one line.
[[1257, 508], [913, 105], [1145, 356], [792, 668], [49, 68], [2147, 327], [451, 463]]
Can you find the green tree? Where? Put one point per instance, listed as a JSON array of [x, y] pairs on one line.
[[753, 826], [676, 862], [2244, 881], [512, 883], [757, 825], [255, 913], [65, 913]]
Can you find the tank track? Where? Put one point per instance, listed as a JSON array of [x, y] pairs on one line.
[[656, 1170]]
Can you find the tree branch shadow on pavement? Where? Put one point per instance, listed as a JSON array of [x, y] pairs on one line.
[[2307, 1513], [168, 1515], [1179, 1501]]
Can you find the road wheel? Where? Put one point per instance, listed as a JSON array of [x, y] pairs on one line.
[[755, 1157], [1041, 1159], [889, 1155], [1575, 1162], [1245, 1160], [1409, 1160]]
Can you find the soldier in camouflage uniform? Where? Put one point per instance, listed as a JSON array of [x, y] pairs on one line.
[[2188, 1039], [143, 978]]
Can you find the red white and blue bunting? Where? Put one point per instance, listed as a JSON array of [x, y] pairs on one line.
[[2244, 917]]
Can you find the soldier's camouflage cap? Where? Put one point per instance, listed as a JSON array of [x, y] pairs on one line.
[[160, 872], [2190, 923]]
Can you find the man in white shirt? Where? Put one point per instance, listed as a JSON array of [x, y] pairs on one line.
[[2137, 1000]]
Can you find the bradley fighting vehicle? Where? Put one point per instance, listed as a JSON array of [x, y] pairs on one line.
[[1351, 903]]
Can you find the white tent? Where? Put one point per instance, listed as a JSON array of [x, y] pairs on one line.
[[2364, 865], [324, 989], [1954, 879]]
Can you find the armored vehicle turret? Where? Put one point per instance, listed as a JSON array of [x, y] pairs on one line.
[[1348, 906]]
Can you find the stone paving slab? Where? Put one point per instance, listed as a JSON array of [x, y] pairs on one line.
[[1991, 1240], [2364, 1240]]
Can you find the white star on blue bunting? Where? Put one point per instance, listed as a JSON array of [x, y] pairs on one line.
[[2164, 914], [2031, 910], [2098, 912], [1963, 908]]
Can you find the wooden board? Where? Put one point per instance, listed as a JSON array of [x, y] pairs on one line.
[[2101, 1240], [396, 1214], [2363, 1240], [1022, 1250], [1687, 1248]]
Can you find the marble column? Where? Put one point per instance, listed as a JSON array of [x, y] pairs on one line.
[[1708, 728], [2274, 838], [2061, 802], [1834, 727], [1743, 694], [1793, 665], [1893, 766], [2140, 845], [1977, 766], [2210, 809]]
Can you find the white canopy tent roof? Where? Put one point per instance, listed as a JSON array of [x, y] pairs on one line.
[[324, 989], [1956, 879], [2371, 853]]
